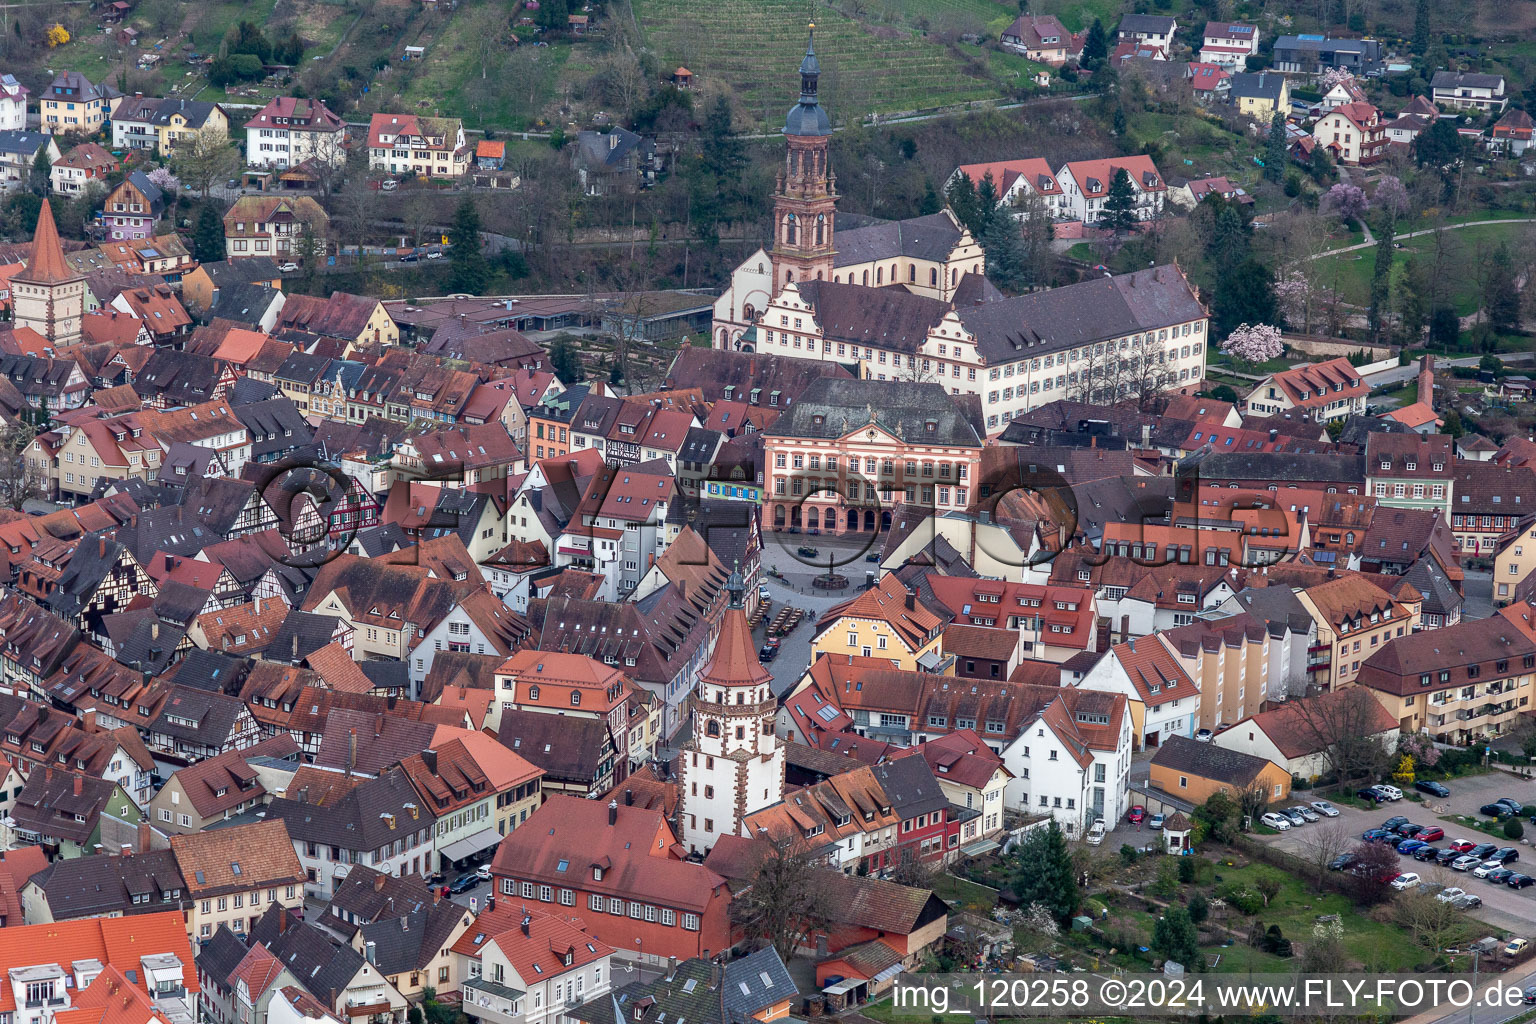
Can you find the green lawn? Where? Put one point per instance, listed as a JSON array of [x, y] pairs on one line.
[[1077, 15], [1351, 272], [962, 893], [1082, 251]]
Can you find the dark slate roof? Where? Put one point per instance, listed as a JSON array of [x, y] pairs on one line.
[[1154, 23], [214, 713], [1465, 80], [93, 559], [248, 390], [699, 445], [568, 749], [141, 640], [409, 942], [276, 426], [218, 957], [353, 822], [300, 635], [48, 804], [321, 966], [696, 993], [102, 886], [387, 675], [1262, 85], [371, 896], [1287, 466], [246, 269], [211, 670], [1440, 595], [1096, 310], [1207, 760], [181, 377], [912, 787], [892, 318], [931, 237], [382, 539], [173, 530], [904, 408], [599, 149], [244, 302]]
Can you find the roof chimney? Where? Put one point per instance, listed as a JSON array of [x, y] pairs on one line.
[[613, 812], [911, 599], [378, 882], [527, 924], [372, 952], [79, 785], [145, 833], [629, 798], [430, 757], [351, 751], [295, 647]]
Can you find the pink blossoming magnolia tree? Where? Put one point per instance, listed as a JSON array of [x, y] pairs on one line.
[[1256, 343]]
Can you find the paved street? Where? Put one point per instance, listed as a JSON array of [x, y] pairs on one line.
[[1503, 907], [779, 552]]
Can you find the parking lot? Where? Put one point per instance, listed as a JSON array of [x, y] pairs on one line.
[[1502, 907]]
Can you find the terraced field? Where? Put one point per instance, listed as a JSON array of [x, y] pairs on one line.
[[755, 45]]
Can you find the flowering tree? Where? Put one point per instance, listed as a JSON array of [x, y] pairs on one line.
[[1293, 294], [58, 35], [1336, 76], [164, 180], [1391, 197], [1346, 200], [1254, 344], [1421, 748]]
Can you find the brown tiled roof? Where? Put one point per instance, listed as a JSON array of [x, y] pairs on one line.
[[1350, 598], [1209, 761], [1300, 727], [980, 642], [1398, 666], [1313, 385], [961, 757], [876, 904]]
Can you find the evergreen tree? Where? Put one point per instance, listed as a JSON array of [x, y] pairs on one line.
[[1175, 936], [1421, 15], [986, 202], [1120, 204], [1008, 263], [1244, 294], [930, 203], [311, 252], [960, 193], [1043, 872], [208, 235], [723, 153], [1381, 277], [1444, 328], [468, 271], [40, 176], [1095, 46], [1118, 122], [1274, 149], [1439, 145], [565, 361]]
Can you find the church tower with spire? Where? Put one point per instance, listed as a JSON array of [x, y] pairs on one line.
[[47, 295], [805, 196], [733, 764]]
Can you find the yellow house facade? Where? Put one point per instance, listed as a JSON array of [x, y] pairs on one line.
[[886, 621]]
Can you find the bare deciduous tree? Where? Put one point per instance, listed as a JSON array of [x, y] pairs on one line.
[[1434, 924], [786, 902], [1319, 845], [1343, 726], [21, 478], [205, 159]]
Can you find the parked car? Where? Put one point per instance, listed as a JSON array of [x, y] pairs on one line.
[[1392, 792], [1466, 862], [1375, 835], [389, 185], [1295, 816], [1530, 994], [435, 254], [1448, 857], [483, 872], [1408, 846], [464, 883], [1136, 815], [806, 551], [1370, 794], [1520, 881], [1482, 850], [1306, 812], [1449, 893], [1461, 845], [1391, 824], [1426, 852], [1466, 901], [411, 257], [1342, 861], [1325, 808], [763, 593], [1203, 736], [288, 268], [1495, 810], [1431, 834], [1096, 833], [1156, 821], [1505, 855], [1516, 947], [1406, 880], [1395, 841], [1499, 876], [1277, 822], [1432, 788], [768, 653], [1409, 830], [1515, 807], [1487, 868]]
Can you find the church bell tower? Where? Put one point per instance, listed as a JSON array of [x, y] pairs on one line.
[[805, 196]]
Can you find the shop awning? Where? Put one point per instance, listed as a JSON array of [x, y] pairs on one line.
[[468, 847]]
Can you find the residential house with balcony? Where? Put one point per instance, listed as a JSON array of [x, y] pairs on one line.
[[72, 103], [1355, 618], [1313, 55], [136, 882], [1163, 700], [13, 103], [82, 165], [1463, 684], [63, 811], [159, 125], [18, 152], [1042, 39], [1150, 29], [1354, 134], [1229, 44], [218, 788], [971, 776], [522, 963], [478, 789], [1324, 391], [1019, 183], [1466, 90], [289, 131], [271, 225], [131, 209], [135, 968], [754, 988], [418, 146], [1260, 95], [886, 621], [1086, 184]]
